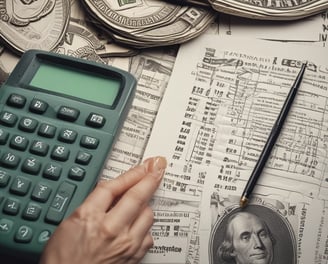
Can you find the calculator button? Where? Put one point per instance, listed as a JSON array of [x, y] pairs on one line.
[[60, 203], [20, 186], [95, 120], [46, 130], [3, 136], [18, 142], [4, 178], [31, 165], [41, 192], [37, 106], [83, 158], [11, 206], [24, 234], [67, 135], [76, 173], [32, 211], [39, 148], [60, 153], [68, 113], [10, 160], [27, 124], [8, 119], [6, 225], [52, 171], [89, 142], [44, 236], [16, 100]]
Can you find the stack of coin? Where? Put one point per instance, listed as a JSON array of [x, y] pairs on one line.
[[150, 23], [270, 9]]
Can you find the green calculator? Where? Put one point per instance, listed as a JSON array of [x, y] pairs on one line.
[[59, 117]]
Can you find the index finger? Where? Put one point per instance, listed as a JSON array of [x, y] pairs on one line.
[[136, 198], [107, 191]]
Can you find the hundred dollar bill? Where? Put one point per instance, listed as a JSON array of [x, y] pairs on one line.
[[270, 9], [150, 23], [192, 2], [82, 27], [38, 24]]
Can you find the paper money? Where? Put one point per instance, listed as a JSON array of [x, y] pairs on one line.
[[270, 9], [263, 9], [192, 2], [33, 24], [150, 23]]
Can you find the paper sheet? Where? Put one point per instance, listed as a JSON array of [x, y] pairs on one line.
[[221, 102]]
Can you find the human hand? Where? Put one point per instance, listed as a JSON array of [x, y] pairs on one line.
[[112, 225]]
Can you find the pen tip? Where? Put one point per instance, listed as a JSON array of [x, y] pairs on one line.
[[243, 202]]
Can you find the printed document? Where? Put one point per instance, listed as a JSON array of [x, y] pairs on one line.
[[221, 102]]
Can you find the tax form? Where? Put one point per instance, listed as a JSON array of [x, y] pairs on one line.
[[218, 109]]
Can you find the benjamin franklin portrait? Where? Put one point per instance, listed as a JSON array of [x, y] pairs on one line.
[[252, 235]]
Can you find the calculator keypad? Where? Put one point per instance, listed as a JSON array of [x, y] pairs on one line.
[[36, 182]]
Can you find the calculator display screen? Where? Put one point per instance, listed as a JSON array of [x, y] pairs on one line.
[[87, 86]]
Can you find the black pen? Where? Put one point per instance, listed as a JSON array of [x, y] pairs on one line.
[[271, 139]]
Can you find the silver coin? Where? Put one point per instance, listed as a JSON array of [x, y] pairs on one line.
[[38, 24]]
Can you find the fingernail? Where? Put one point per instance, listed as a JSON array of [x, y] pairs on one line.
[[157, 166]]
